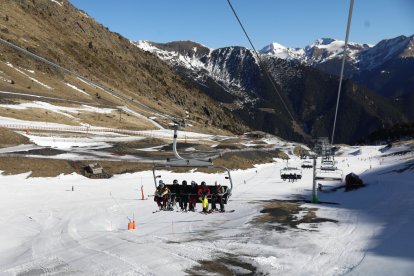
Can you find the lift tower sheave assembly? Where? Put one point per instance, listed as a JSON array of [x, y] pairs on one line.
[[327, 169]]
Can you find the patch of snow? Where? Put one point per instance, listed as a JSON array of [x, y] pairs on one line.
[[98, 87], [269, 261], [90, 84], [25, 147], [282, 52], [5, 80], [77, 89], [5, 121], [28, 70], [84, 14], [33, 79], [66, 143], [156, 148], [138, 115], [58, 109], [168, 133], [57, 2]]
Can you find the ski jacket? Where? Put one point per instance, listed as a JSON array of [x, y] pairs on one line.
[[203, 192], [193, 190], [184, 190], [175, 189], [162, 192], [218, 190]]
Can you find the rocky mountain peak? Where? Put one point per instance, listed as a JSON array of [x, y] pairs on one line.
[[278, 50], [409, 49], [184, 48], [273, 47], [386, 50], [323, 41]]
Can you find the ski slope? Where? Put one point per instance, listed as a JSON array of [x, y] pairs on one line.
[[46, 228]]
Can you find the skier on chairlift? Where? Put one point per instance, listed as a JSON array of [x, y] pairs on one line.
[[175, 191], [192, 198], [203, 193], [183, 196], [161, 195], [217, 197]]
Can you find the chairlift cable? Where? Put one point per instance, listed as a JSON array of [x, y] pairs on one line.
[[261, 64], [342, 67]]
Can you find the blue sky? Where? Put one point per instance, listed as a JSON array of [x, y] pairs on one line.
[[288, 22]]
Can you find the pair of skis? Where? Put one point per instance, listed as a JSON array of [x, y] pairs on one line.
[[216, 212], [160, 210], [204, 213]]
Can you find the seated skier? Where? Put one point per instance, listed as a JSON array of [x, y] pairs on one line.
[[203, 192], [192, 197], [183, 196], [175, 192], [161, 195], [217, 197]]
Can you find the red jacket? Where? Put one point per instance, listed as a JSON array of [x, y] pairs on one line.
[[203, 192]]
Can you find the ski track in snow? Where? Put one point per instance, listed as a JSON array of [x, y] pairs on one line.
[[48, 229]]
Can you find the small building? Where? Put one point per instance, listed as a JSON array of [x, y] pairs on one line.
[[94, 168]]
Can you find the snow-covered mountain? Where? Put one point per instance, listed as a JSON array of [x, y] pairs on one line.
[[231, 76], [233, 68], [386, 50], [324, 54], [184, 53], [362, 56], [278, 50], [386, 68], [320, 54], [320, 51]]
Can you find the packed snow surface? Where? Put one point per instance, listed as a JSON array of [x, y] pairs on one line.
[[46, 228]]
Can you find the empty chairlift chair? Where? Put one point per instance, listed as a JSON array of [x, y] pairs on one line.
[[307, 164], [328, 171]]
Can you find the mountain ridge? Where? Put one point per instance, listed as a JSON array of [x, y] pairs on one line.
[[231, 75]]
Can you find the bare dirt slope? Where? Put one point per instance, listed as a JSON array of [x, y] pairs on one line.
[[9, 138]]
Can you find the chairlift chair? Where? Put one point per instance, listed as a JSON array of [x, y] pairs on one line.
[[307, 164], [328, 165], [181, 162], [328, 171], [290, 173]]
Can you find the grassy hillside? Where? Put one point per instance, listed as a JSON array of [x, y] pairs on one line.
[[69, 37]]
